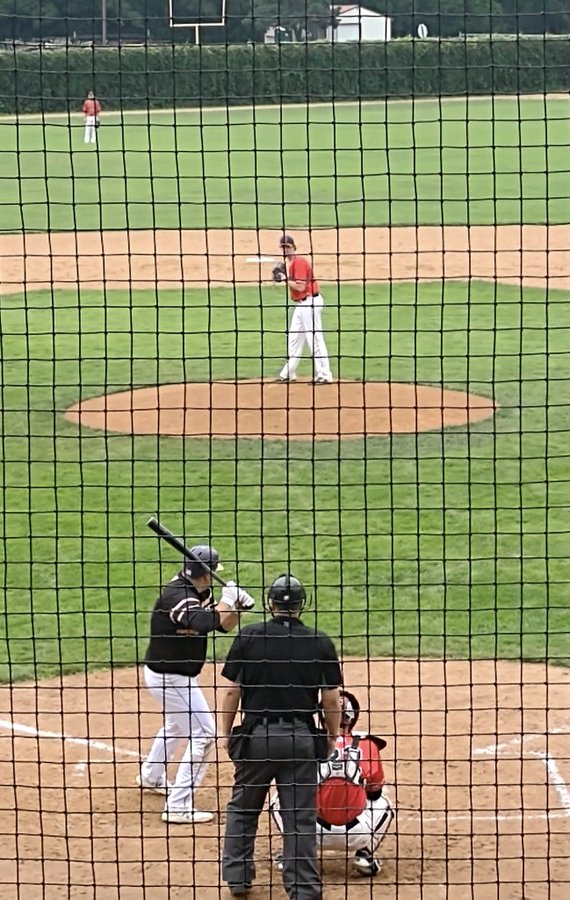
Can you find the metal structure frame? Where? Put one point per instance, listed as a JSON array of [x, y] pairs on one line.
[[196, 25]]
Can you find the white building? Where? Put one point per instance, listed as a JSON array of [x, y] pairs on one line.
[[355, 23]]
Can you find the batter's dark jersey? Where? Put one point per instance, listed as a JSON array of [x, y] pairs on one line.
[[179, 628], [281, 665]]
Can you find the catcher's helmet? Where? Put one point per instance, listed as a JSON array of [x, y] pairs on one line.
[[203, 554], [287, 592]]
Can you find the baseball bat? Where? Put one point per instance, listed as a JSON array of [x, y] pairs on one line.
[[163, 532]]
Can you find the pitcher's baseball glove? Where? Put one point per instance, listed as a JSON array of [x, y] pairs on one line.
[[279, 273]]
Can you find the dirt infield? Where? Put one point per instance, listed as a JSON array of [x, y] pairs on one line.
[[535, 255], [261, 408], [478, 753]]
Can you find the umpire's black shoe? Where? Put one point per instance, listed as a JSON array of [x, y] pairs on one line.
[[239, 890]]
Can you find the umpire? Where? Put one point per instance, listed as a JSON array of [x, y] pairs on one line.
[[278, 668]]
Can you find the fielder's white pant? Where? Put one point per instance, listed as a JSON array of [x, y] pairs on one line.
[[187, 717], [90, 136], [306, 326], [366, 833]]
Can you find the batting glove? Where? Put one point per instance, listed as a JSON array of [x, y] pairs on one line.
[[245, 601], [230, 594], [236, 598]]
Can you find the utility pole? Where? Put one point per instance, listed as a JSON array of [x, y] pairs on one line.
[[103, 22]]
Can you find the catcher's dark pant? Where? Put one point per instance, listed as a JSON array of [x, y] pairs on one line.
[[283, 751]]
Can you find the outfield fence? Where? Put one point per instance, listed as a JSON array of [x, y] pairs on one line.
[[413, 474], [185, 75]]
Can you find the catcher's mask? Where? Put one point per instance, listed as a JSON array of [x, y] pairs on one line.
[[287, 241], [203, 554], [349, 712], [286, 593]]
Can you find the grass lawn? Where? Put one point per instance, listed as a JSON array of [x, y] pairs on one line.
[[450, 543], [431, 162]]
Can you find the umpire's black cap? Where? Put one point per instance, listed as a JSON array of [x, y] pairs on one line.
[[286, 592]]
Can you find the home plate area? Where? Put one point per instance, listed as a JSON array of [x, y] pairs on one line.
[[477, 764]]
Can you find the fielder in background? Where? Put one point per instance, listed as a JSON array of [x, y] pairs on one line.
[[354, 811], [306, 324], [278, 668], [181, 620], [91, 111]]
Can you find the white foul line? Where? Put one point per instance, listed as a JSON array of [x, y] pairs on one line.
[[517, 741], [557, 781], [554, 776], [492, 817], [17, 728]]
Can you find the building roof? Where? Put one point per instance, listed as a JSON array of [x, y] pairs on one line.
[[343, 9]]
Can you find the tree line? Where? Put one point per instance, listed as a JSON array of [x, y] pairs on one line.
[[29, 20]]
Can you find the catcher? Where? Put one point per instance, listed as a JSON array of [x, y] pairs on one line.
[[354, 811]]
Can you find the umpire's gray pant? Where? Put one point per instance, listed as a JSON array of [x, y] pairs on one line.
[[285, 752]]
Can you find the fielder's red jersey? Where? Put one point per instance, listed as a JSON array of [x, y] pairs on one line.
[[299, 269], [91, 107]]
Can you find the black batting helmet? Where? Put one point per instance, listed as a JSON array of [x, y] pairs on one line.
[[287, 592], [203, 554]]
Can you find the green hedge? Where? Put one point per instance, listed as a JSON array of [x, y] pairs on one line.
[[185, 75]]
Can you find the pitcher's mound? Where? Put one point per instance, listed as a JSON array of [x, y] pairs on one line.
[[263, 408]]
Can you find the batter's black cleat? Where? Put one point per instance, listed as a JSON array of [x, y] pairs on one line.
[[365, 864]]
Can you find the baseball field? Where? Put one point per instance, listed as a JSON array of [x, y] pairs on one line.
[[422, 499]]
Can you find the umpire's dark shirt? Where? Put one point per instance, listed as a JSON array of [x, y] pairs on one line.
[[281, 665], [179, 628]]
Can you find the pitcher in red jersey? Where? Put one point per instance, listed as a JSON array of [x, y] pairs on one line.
[[306, 323]]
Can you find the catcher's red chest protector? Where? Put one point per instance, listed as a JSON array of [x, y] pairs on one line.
[[346, 779], [340, 801]]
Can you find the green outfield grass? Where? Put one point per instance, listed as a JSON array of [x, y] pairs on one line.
[[443, 161], [450, 543]]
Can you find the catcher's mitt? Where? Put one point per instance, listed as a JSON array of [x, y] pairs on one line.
[[279, 273]]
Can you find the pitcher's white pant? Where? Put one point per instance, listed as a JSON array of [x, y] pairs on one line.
[[187, 717], [90, 136], [365, 833], [306, 326]]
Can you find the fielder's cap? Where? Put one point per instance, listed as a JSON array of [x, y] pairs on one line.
[[286, 241]]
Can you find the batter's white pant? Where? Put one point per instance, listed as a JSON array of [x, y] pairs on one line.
[[306, 327], [365, 833], [187, 717], [90, 136]]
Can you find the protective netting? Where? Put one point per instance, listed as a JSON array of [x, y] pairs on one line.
[[195, 199]]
